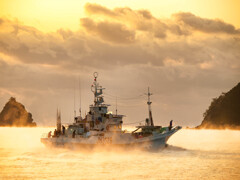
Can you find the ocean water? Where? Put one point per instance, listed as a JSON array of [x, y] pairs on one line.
[[191, 154]]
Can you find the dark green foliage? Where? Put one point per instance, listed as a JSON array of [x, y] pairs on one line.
[[224, 111]]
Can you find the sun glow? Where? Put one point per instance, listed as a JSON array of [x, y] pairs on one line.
[[51, 15], [45, 15]]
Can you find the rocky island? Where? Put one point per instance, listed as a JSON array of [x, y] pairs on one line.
[[15, 114], [224, 111]]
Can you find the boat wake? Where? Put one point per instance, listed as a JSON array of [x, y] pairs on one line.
[[174, 148]]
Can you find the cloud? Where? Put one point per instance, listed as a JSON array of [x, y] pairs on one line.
[[115, 43], [206, 25], [131, 49], [98, 9], [113, 32], [141, 20]]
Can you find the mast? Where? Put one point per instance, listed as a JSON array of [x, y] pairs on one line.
[[149, 107], [74, 100], [116, 105], [80, 99], [58, 120], [97, 91]]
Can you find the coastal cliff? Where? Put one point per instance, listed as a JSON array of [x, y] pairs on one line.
[[15, 114], [223, 112]]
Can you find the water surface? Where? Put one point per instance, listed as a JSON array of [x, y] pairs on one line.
[[191, 154]]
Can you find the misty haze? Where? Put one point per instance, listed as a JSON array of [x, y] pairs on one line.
[[116, 75]]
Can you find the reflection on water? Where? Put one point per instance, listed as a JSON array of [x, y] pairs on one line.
[[191, 154]]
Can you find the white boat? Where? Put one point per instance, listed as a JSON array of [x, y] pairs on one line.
[[102, 128]]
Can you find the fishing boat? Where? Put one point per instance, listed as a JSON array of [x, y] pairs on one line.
[[101, 127]]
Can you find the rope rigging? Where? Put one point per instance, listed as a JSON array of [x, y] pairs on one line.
[[134, 122], [124, 98]]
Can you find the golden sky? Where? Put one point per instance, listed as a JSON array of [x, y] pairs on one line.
[[186, 51], [49, 15]]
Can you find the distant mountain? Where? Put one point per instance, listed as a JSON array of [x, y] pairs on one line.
[[15, 114], [224, 111]]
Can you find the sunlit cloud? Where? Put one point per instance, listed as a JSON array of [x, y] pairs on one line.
[[179, 55], [206, 25]]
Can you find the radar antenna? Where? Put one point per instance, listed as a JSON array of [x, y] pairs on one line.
[[97, 91]]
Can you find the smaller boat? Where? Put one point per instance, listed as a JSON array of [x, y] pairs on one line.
[[102, 128]]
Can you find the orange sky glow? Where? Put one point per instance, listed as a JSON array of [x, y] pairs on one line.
[[186, 51], [52, 15]]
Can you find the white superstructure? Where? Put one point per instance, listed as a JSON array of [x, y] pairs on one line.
[[100, 127]]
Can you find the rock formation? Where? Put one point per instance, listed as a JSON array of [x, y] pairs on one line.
[[15, 114], [224, 111]]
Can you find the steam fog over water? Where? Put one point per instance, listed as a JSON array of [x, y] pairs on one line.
[[191, 154]]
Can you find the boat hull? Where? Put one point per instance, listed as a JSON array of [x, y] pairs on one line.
[[126, 140]]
